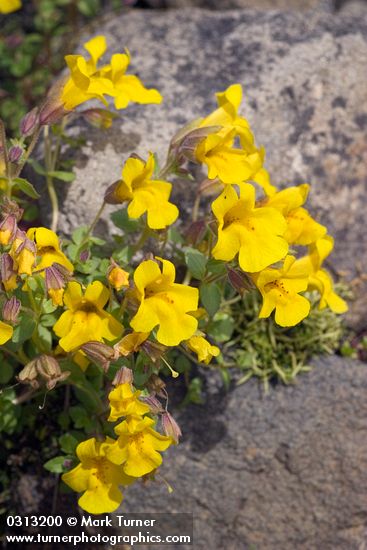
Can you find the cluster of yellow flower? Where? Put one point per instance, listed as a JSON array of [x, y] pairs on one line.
[[106, 465]]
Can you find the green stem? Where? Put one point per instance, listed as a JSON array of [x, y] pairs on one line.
[[19, 357], [94, 222], [143, 237], [29, 151]]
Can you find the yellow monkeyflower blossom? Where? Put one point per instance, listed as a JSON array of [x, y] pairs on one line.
[[97, 477], [226, 115], [203, 349], [302, 228], [48, 248], [164, 303], [88, 81], [127, 87], [138, 445], [125, 402], [85, 319], [144, 194], [320, 279], [256, 233], [225, 162], [280, 291], [117, 277], [8, 6], [6, 332]]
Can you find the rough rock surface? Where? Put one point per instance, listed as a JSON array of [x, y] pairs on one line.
[[281, 471], [305, 96]]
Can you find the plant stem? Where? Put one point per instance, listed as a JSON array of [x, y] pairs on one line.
[[29, 151], [94, 222]]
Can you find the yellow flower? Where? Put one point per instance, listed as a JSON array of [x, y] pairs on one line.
[[88, 81], [203, 349], [320, 279], [127, 87], [7, 6], [48, 248], [302, 228], [226, 115], [144, 194], [164, 303], [225, 162], [6, 332], [85, 319], [97, 477], [280, 291], [125, 402], [255, 233], [137, 446]]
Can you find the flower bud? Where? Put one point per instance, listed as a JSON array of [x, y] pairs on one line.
[[84, 255], [123, 376], [8, 229], [29, 123], [239, 281], [56, 277], [8, 274], [170, 426], [24, 253], [196, 232], [15, 153], [100, 354], [154, 404], [11, 310], [43, 369], [156, 385], [99, 118], [117, 277]]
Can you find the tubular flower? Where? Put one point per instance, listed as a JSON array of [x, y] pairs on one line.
[[255, 233], [225, 162], [48, 248], [203, 349], [137, 446], [302, 228], [320, 279], [6, 332], [280, 291], [8, 6], [144, 194], [131, 343], [85, 319], [164, 303], [88, 81], [125, 402], [97, 477]]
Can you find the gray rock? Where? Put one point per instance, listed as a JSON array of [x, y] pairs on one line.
[[281, 471], [244, 4], [305, 96]]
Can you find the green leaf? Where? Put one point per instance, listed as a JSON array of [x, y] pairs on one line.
[[56, 465], [26, 187], [221, 328], [79, 234], [122, 221], [63, 176], [24, 330], [6, 371], [68, 443], [196, 262], [45, 336], [37, 167], [210, 295]]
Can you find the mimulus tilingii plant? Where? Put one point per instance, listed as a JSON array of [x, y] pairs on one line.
[[108, 327]]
